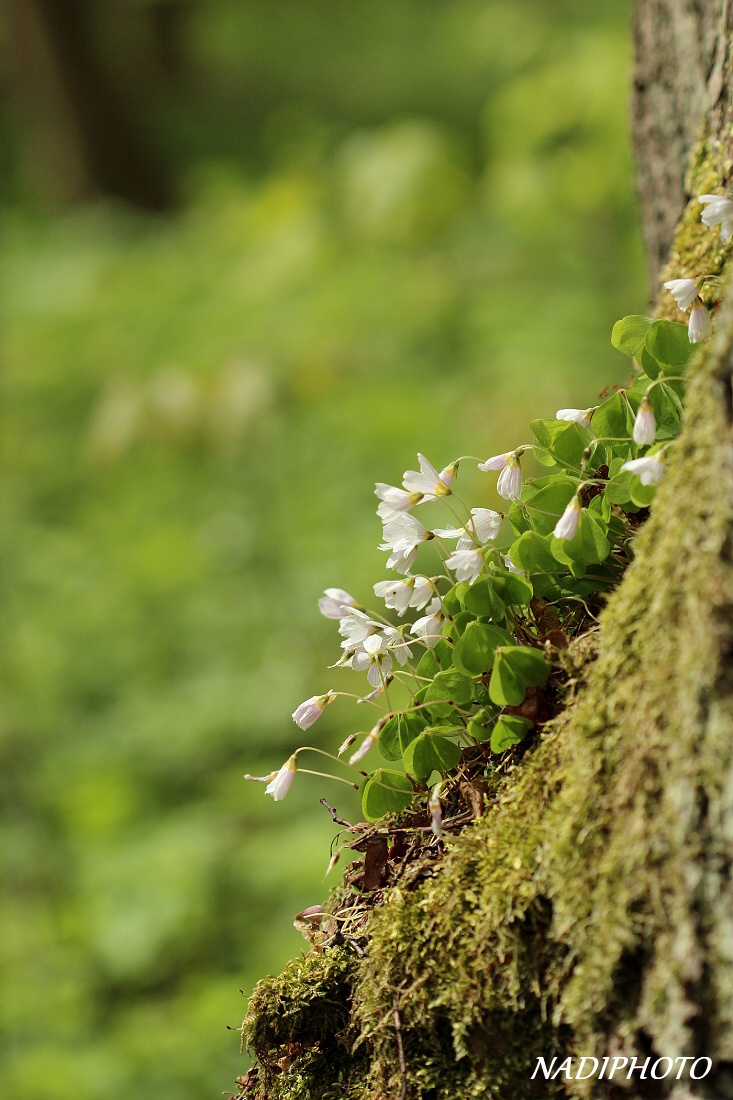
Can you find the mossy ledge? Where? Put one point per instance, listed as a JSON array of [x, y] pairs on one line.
[[590, 912]]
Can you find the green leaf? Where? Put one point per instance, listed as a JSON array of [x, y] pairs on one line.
[[435, 659], [545, 506], [480, 725], [386, 792], [589, 545], [669, 344], [667, 410], [515, 669], [450, 685], [529, 664], [430, 752], [629, 334], [389, 739], [453, 628], [398, 732], [453, 599], [531, 553], [509, 730], [566, 441], [512, 588], [612, 418], [483, 601], [475, 651]]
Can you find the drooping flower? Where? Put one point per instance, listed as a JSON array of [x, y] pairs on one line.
[[335, 603], [403, 536], [567, 525], [396, 644], [283, 781], [436, 815], [651, 468], [684, 291], [374, 694], [700, 327], [426, 481], [430, 626], [311, 710], [580, 416], [645, 424], [467, 564], [496, 462], [718, 209], [395, 501], [449, 473], [372, 658], [371, 739], [510, 480]]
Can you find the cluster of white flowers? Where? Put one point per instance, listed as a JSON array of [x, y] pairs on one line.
[[686, 292]]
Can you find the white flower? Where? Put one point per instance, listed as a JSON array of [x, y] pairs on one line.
[[718, 209], [684, 291], [497, 462], [396, 644], [311, 710], [436, 816], [699, 327], [355, 627], [467, 564], [394, 501], [403, 536], [651, 468], [580, 416], [371, 739], [486, 523], [283, 781], [428, 481], [645, 424], [373, 658], [510, 480], [449, 473], [373, 694], [511, 566], [567, 525], [396, 594], [335, 603], [422, 592], [430, 626], [260, 778]]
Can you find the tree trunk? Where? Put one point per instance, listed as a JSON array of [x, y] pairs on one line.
[[86, 139], [590, 912], [682, 79]]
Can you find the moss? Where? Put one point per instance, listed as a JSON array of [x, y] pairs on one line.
[[299, 1022], [697, 250]]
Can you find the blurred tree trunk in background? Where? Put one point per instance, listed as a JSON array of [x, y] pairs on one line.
[[681, 76], [86, 137]]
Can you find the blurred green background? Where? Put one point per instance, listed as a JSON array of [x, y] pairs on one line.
[[254, 255]]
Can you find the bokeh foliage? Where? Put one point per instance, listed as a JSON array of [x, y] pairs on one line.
[[422, 243]]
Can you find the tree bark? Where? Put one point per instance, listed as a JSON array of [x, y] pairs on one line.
[[682, 78]]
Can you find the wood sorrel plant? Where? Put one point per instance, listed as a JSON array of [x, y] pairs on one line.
[[480, 643]]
